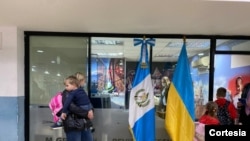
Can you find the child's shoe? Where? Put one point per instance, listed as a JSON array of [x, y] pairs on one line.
[[56, 126]]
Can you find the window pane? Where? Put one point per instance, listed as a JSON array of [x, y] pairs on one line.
[[51, 60], [232, 45], [165, 57], [111, 59], [234, 74]]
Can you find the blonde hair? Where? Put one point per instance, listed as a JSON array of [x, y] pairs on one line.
[[79, 76], [72, 80]]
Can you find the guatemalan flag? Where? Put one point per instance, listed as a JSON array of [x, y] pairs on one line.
[[141, 106], [179, 119]]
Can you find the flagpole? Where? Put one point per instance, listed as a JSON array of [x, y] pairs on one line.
[[184, 39], [143, 63]]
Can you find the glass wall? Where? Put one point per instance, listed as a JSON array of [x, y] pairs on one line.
[[113, 64], [51, 60], [165, 56], [232, 45], [235, 72], [110, 60]]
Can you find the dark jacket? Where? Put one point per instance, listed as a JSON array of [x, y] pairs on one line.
[[78, 97], [73, 109], [243, 117]]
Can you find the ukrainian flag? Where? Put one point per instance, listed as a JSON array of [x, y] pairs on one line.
[[180, 110], [141, 104]]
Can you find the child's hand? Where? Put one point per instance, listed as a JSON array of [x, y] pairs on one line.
[[90, 114], [63, 116]]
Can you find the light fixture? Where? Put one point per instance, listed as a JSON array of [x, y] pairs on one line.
[[201, 54], [110, 54], [107, 42], [196, 44], [46, 72], [40, 51]]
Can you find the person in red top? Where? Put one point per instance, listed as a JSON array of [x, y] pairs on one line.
[[222, 102], [208, 118]]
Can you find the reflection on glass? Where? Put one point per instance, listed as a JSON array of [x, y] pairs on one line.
[[52, 59], [234, 74], [232, 45], [165, 55]]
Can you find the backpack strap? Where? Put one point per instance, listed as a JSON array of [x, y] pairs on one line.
[[227, 104]]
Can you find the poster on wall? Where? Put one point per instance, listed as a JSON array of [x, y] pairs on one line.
[[107, 78], [234, 74]]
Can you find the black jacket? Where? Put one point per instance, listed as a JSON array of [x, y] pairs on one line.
[[73, 109]]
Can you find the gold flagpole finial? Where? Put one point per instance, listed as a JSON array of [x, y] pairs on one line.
[[144, 37], [184, 39]]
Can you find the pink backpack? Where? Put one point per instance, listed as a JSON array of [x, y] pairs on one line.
[[55, 105]]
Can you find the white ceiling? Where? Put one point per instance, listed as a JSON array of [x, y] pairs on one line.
[[124, 16], [119, 16]]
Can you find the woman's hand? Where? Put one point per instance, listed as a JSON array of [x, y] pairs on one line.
[[90, 114], [63, 116]]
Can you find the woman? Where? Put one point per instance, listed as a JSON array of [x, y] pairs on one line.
[[74, 134], [164, 93], [244, 112], [239, 87]]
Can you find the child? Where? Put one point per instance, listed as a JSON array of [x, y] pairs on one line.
[[56, 105], [209, 118], [227, 113], [77, 95]]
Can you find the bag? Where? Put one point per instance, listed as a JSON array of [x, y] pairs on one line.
[[72, 122], [223, 114], [199, 132], [56, 105]]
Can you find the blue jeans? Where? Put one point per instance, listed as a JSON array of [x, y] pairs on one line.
[[84, 135]]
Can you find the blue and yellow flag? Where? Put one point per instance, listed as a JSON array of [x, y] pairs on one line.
[[180, 110], [141, 104]]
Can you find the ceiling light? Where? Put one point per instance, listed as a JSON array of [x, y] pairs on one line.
[[201, 54], [197, 44], [110, 54], [58, 74], [40, 51], [46, 72], [107, 42], [33, 69], [53, 62]]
